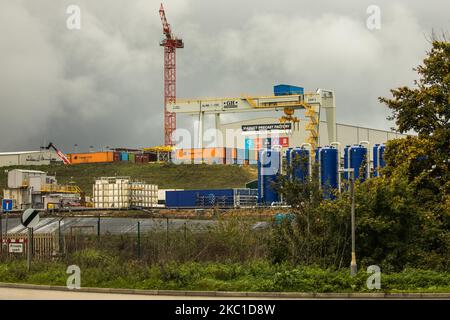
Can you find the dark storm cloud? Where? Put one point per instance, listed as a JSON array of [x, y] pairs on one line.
[[102, 85]]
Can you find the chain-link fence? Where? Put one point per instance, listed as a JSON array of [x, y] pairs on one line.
[[152, 240]]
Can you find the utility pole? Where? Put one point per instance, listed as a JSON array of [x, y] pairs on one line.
[[353, 265], [351, 178]]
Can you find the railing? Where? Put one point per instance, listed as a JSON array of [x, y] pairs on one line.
[[60, 188]]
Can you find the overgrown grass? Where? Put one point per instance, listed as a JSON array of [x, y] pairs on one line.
[[100, 269], [181, 176]]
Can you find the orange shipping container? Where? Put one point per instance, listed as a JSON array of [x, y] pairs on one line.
[[205, 153], [91, 157], [213, 153], [183, 154]]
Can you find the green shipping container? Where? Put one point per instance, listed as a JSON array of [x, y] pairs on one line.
[[132, 157]]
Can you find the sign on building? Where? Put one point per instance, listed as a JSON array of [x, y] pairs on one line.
[[281, 141], [267, 128]]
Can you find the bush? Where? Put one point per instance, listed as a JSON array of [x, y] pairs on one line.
[[249, 276]]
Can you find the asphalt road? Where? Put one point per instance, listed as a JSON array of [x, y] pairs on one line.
[[7, 293], [39, 294]]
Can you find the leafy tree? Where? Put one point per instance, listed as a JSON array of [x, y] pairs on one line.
[[405, 215], [402, 217], [318, 236], [426, 108]]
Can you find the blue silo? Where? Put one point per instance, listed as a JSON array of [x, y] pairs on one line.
[[378, 159], [269, 167], [288, 157], [327, 157], [355, 157], [298, 161]]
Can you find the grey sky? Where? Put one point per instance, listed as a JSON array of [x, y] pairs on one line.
[[103, 85]]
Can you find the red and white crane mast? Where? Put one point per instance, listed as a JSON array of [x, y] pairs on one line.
[[170, 44]]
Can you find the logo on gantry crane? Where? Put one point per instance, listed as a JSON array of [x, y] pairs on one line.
[[230, 104]]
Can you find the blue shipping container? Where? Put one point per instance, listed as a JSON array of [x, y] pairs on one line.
[[123, 156], [284, 89], [241, 153], [200, 198]]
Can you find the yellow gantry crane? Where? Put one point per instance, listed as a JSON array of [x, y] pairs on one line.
[[312, 103]]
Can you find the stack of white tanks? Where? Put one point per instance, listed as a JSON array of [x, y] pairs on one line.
[[122, 193], [143, 195]]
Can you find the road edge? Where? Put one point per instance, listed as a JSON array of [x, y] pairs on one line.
[[228, 294]]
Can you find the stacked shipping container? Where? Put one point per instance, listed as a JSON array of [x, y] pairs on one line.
[[91, 157], [109, 156], [215, 156], [195, 155]]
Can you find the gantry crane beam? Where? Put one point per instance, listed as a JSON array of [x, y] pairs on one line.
[[311, 102]]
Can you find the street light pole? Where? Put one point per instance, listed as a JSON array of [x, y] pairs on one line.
[[353, 265]]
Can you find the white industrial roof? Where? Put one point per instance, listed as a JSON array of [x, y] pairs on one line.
[[17, 153], [28, 171]]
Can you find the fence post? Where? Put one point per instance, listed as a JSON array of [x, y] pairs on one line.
[[6, 224], [98, 228], [167, 232], [139, 238], [185, 241], [29, 248], [60, 242], [32, 241]]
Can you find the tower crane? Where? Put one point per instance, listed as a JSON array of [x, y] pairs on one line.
[[170, 44]]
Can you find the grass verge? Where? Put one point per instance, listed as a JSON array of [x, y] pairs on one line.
[[102, 270], [166, 176]]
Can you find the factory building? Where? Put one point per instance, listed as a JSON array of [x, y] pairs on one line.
[[33, 188], [306, 117], [239, 142], [26, 158], [267, 132]]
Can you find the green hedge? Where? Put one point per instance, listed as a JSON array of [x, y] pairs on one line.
[[99, 269]]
